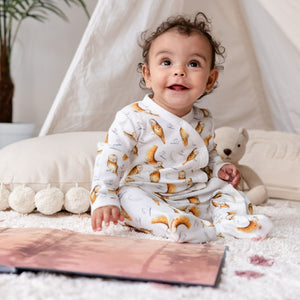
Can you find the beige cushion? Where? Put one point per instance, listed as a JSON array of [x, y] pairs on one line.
[[67, 159], [275, 156], [61, 160]]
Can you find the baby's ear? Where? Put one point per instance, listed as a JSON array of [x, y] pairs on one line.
[[212, 79], [147, 76]]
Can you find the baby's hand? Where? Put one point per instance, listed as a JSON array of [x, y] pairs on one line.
[[106, 214], [231, 174]]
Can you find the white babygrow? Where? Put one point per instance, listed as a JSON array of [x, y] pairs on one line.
[[161, 170]]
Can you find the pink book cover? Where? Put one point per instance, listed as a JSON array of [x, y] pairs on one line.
[[53, 250]]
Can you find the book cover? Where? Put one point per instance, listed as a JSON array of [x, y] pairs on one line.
[[53, 250]]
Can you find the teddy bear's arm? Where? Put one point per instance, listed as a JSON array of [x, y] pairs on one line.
[[249, 176]]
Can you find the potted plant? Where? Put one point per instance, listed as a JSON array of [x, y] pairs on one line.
[[12, 14]]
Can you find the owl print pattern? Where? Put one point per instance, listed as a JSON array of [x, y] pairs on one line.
[[159, 164]]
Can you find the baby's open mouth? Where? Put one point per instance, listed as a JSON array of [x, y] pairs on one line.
[[177, 87]]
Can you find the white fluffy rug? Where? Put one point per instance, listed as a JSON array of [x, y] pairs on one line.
[[276, 276]]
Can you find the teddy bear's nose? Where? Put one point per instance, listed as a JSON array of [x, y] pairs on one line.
[[227, 151]]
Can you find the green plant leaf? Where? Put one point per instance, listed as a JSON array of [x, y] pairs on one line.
[[16, 11]]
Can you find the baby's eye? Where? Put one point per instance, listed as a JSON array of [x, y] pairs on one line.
[[165, 62], [194, 64]]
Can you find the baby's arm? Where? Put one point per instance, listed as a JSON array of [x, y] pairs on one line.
[[109, 169], [218, 167], [106, 214]]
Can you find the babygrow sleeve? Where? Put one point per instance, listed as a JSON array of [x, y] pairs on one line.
[[112, 160], [215, 161]]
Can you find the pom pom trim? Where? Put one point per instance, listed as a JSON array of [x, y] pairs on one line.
[[48, 201]]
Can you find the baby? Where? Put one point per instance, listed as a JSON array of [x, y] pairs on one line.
[[159, 170]]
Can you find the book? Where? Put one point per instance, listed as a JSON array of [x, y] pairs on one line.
[[63, 251]]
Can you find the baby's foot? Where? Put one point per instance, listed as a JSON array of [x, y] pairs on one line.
[[194, 230], [247, 226]]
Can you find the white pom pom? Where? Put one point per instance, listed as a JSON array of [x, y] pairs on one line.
[[49, 201], [77, 200], [4, 194], [21, 199]]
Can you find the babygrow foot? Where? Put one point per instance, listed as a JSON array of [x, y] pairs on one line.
[[248, 226], [192, 230]]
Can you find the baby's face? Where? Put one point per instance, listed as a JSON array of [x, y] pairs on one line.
[[179, 70]]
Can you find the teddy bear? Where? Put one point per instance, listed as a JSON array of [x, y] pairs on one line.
[[231, 146]]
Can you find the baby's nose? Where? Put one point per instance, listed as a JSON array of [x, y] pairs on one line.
[[179, 74], [179, 71]]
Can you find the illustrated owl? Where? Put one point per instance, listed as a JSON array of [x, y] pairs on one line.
[[220, 204], [207, 223], [137, 108], [195, 211], [135, 170], [112, 163], [207, 139], [208, 171], [205, 112], [94, 192], [157, 129], [250, 208], [184, 136], [180, 220], [135, 150], [192, 155], [253, 224], [171, 188], [194, 200], [181, 175], [161, 219], [150, 157], [155, 176], [200, 126], [132, 136]]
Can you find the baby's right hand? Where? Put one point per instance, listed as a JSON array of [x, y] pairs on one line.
[[106, 214]]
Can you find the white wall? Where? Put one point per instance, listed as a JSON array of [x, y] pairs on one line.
[[41, 57]]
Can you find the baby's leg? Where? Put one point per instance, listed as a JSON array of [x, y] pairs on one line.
[[150, 213], [232, 214]]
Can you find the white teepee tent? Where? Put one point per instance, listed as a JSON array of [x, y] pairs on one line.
[[259, 88]]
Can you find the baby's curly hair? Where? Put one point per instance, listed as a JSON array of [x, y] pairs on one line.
[[186, 26]]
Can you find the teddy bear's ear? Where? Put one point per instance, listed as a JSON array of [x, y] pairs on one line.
[[244, 132]]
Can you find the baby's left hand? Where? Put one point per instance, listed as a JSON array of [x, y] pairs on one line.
[[231, 174]]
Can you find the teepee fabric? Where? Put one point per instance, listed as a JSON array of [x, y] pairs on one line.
[[258, 89], [275, 34]]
